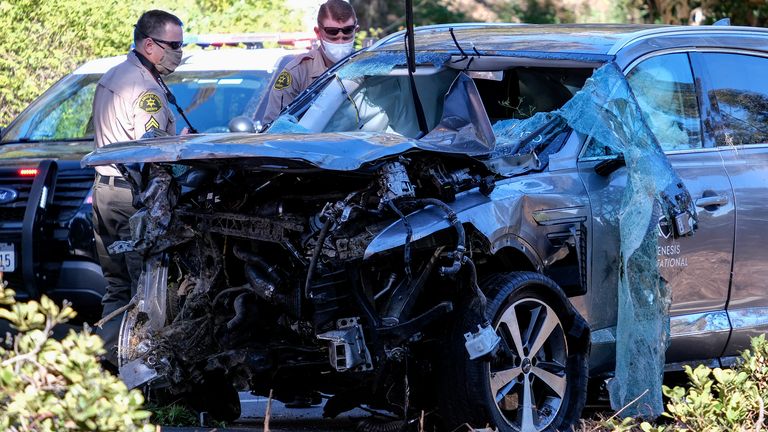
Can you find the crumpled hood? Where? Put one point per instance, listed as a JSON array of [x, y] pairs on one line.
[[343, 151]]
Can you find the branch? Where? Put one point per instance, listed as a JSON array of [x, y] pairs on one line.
[[32, 354], [117, 312]]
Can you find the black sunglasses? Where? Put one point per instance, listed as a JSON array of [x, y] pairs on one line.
[[174, 45], [333, 31]]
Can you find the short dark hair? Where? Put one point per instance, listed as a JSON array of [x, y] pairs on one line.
[[152, 22], [337, 10]]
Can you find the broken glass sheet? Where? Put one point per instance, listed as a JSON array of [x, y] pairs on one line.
[[606, 112], [286, 124]]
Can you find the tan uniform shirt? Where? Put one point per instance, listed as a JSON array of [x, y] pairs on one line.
[[128, 102], [298, 74]]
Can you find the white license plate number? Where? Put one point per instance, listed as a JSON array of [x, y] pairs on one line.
[[7, 257]]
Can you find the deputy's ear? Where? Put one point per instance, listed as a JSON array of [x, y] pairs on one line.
[[147, 46]]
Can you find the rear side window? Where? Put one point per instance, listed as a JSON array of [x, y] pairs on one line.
[[738, 84], [665, 91]]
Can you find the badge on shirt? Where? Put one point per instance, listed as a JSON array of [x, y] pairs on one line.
[[152, 123], [283, 80], [150, 103]]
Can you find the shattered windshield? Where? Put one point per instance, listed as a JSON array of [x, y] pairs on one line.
[[470, 105], [373, 94]]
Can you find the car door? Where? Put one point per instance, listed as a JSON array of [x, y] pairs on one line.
[[740, 117], [697, 268]]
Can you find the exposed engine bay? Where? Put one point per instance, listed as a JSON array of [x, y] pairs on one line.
[[260, 280]]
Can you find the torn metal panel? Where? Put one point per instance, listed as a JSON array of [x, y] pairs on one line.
[[334, 151]]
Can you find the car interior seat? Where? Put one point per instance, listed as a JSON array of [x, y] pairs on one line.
[[522, 93]]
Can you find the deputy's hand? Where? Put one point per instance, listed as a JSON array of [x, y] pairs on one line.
[[184, 131]]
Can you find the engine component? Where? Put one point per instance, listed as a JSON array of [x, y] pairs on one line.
[[275, 230], [394, 183], [346, 346], [481, 342]]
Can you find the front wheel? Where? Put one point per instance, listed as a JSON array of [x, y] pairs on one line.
[[537, 378]]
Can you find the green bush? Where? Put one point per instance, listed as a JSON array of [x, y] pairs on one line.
[[50, 385], [716, 399], [43, 40]]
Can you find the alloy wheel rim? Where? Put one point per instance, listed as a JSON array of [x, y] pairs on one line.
[[527, 379]]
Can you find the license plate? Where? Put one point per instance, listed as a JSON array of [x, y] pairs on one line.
[[7, 257]]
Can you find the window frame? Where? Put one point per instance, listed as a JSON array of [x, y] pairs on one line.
[[715, 119], [708, 137]]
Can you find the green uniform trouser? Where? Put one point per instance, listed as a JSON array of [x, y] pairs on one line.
[[112, 207]]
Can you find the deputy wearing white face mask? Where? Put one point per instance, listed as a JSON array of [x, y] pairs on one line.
[[336, 28]]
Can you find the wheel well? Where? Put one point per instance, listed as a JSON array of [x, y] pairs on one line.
[[508, 259]]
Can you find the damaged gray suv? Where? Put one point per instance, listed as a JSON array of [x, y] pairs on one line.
[[475, 227]]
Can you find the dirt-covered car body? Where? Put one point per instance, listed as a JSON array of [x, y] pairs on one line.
[[466, 250]]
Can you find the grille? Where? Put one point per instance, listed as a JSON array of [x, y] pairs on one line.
[[72, 186], [70, 193]]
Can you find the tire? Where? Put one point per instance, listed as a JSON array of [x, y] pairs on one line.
[[541, 360]]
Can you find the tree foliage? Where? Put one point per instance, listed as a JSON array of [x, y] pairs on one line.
[[42, 40], [50, 385], [740, 12]]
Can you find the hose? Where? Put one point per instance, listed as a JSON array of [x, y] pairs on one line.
[[458, 254], [240, 309], [408, 237], [478, 292], [316, 255], [272, 272]]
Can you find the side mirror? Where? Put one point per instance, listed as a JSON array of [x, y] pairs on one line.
[[608, 166], [241, 124]]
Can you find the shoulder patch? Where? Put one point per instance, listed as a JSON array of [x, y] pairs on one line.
[[150, 103], [151, 123], [283, 80]]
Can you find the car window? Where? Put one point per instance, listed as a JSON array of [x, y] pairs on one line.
[[666, 94], [209, 98], [738, 85], [63, 112]]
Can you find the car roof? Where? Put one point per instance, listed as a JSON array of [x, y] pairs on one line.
[[575, 39], [202, 60]]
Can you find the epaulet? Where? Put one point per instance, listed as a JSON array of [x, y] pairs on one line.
[[298, 59]]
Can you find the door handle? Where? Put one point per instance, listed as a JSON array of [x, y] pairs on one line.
[[708, 201]]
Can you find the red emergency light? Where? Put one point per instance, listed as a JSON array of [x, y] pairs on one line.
[[27, 172]]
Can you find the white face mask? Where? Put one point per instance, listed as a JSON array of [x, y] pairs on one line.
[[337, 51]]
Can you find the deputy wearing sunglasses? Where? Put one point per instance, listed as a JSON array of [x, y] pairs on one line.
[[336, 28], [130, 100]]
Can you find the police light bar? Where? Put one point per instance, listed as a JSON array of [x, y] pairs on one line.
[[251, 40]]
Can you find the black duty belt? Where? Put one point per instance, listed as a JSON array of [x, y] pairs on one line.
[[116, 181]]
